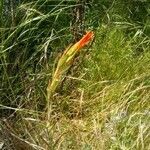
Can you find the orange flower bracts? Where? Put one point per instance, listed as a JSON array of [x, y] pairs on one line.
[[85, 40]]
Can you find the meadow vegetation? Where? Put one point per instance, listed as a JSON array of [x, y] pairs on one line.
[[102, 102]]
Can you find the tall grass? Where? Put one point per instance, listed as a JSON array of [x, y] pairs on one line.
[[103, 103]]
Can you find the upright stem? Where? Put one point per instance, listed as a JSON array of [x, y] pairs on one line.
[[12, 13], [78, 19], [1, 18], [49, 97], [1, 9]]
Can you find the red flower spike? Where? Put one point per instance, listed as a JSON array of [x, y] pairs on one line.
[[85, 39]]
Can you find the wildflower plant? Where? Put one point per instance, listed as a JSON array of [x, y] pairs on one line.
[[65, 62], [63, 65]]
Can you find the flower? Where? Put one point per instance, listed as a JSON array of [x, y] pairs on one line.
[[85, 40], [65, 62], [72, 50]]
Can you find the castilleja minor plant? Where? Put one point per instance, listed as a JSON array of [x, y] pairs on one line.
[[65, 62]]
